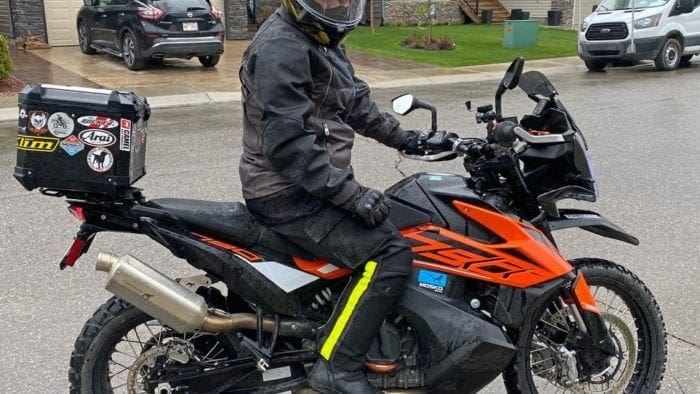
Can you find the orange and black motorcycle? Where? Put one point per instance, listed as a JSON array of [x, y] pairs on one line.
[[490, 293]]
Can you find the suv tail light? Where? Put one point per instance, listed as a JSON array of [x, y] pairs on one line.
[[151, 13], [216, 13]]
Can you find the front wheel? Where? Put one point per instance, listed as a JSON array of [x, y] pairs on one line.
[[595, 66], [670, 55], [549, 361]]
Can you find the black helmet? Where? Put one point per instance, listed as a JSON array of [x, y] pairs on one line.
[[327, 22]]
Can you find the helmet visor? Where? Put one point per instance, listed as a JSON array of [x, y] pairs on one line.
[[342, 14]]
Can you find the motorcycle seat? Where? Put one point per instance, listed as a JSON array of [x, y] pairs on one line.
[[226, 221]]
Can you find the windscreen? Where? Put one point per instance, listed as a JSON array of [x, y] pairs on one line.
[[614, 5], [534, 82]]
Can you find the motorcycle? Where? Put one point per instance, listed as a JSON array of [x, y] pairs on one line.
[[490, 293]]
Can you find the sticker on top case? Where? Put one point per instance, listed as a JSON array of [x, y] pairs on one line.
[[60, 124], [100, 159], [38, 121]]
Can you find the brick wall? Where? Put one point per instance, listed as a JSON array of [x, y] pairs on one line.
[[236, 19], [415, 12], [28, 16], [566, 7]]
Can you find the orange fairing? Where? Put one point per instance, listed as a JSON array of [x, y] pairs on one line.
[[583, 296], [522, 258], [237, 250]]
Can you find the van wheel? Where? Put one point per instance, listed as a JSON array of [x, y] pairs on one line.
[[670, 56], [209, 61], [685, 60], [595, 66]]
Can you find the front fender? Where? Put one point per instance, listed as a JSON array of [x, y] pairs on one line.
[[590, 221]]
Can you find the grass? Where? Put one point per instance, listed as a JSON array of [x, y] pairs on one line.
[[475, 44]]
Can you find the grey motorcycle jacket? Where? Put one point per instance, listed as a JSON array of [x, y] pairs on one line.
[[302, 106]]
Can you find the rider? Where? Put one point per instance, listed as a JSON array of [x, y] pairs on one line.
[[302, 106]]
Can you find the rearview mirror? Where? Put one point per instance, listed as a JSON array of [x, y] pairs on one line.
[[510, 81], [403, 104]]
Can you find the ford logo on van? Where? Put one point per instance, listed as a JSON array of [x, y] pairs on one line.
[[605, 30], [95, 137]]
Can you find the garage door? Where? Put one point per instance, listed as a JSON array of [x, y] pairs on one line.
[[60, 21]]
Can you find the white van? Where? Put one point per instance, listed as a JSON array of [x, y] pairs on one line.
[[666, 31]]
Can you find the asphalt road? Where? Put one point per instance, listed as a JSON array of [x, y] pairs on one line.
[[641, 125]]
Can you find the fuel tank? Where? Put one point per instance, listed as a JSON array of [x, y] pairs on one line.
[[427, 198]]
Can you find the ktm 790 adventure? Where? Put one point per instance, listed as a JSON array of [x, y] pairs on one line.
[[490, 293]]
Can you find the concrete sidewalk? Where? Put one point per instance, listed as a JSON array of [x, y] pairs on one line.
[[178, 82]]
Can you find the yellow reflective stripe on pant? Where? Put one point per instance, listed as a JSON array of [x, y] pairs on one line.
[[348, 309]]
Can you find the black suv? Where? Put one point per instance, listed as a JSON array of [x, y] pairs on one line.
[[151, 30]]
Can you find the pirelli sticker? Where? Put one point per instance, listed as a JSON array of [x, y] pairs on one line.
[[37, 144]]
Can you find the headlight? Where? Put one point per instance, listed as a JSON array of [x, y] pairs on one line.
[[584, 25], [649, 21]]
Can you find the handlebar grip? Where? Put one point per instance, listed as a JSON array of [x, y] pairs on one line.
[[504, 134]]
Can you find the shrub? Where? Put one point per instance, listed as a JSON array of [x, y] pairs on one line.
[[418, 41], [6, 67]]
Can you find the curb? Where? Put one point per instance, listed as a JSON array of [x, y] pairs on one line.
[[8, 116]]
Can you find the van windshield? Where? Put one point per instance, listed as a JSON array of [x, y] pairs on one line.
[[614, 5]]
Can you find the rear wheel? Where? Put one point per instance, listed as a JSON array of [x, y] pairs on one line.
[[131, 52], [549, 361], [595, 65], [670, 55], [123, 350], [209, 61], [84, 39]]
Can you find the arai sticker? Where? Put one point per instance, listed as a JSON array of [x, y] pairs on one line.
[[97, 137], [22, 113], [100, 159], [97, 122], [125, 135], [38, 121], [60, 124], [72, 145]]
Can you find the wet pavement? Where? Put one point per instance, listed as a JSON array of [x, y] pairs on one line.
[[180, 82]]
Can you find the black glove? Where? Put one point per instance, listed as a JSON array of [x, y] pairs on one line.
[[420, 142], [370, 206]]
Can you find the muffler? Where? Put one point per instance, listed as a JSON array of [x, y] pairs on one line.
[[167, 300]]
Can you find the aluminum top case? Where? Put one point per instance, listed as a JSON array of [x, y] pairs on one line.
[[80, 140]]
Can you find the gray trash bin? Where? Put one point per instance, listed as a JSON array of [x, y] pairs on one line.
[[486, 16], [554, 17]]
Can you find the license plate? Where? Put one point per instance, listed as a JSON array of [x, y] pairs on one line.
[[189, 26]]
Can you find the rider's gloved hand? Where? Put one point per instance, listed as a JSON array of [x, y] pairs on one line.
[[369, 204], [420, 142]]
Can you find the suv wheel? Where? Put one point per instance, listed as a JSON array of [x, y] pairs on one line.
[[670, 56], [209, 61], [595, 66], [131, 52], [84, 39]]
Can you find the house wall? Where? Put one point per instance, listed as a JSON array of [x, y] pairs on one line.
[[537, 8], [415, 12]]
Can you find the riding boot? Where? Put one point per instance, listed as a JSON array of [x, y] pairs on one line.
[[356, 320]]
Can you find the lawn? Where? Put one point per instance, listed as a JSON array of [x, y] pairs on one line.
[[474, 44]]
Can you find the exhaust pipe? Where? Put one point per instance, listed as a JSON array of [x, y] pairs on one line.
[[166, 300]]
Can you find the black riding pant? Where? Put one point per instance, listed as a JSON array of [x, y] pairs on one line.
[[380, 258]]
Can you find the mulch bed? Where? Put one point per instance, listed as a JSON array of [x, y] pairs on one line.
[[10, 86]]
